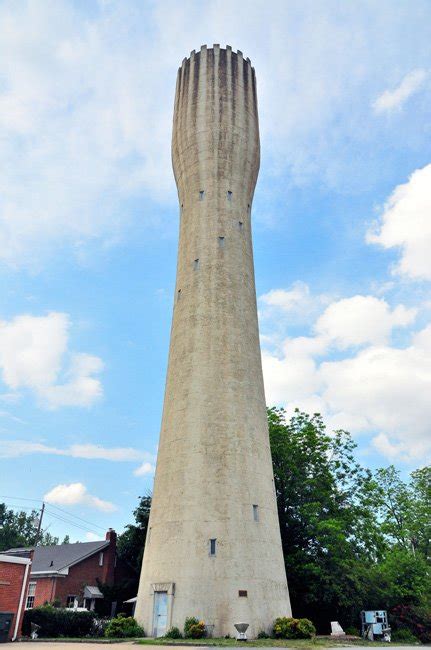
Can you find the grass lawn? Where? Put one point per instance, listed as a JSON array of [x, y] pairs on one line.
[[304, 644]]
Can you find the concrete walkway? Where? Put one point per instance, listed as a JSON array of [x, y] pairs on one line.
[[128, 645]]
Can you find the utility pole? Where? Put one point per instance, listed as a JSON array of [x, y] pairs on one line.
[[39, 525]]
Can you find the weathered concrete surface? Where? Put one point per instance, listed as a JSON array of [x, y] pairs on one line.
[[214, 461]]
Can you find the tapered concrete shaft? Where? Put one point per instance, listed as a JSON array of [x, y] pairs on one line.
[[214, 477]]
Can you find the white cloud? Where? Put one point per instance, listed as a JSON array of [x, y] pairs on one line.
[[34, 354], [76, 494], [294, 299], [92, 537], [144, 469], [406, 223], [382, 389], [86, 101], [294, 305], [392, 99], [15, 448], [360, 320]]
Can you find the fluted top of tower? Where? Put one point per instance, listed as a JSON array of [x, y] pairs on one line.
[[216, 48], [216, 129]]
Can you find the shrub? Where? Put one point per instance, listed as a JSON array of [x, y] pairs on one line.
[[191, 620], [173, 633], [263, 635], [305, 629], [193, 628], [122, 627], [293, 628], [56, 622], [404, 635], [415, 619]]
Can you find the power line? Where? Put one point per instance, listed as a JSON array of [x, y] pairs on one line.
[[67, 521], [51, 505], [70, 514], [57, 516], [15, 505], [6, 496]]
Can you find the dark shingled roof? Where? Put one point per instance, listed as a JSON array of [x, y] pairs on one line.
[[54, 558]]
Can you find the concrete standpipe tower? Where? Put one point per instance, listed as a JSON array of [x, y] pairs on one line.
[[213, 547]]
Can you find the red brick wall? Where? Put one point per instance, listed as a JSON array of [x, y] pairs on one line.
[[45, 590], [84, 573], [11, 577]]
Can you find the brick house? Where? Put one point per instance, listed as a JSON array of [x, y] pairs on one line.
[[69, 574], [14, 580]]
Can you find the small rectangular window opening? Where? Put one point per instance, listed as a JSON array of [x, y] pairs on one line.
[[229, 195], [213, 545], [240, 225], [242, 593], [256, 513], [196, 263], [178, 294], [201, 195], [30, 595], [221, 241]]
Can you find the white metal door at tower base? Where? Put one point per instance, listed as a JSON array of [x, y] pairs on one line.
[[160, 616]]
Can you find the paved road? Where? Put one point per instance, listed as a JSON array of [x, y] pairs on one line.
[[127, 645]]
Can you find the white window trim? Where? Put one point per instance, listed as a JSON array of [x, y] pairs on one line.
[[31, 593]]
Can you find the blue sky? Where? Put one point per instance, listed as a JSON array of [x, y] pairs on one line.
[[89, 225]]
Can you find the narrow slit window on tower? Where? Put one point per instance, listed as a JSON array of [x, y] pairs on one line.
[[256, 512], [213, 546], [229, 195], [221, 241], [240, 225], [201, 195], [178, 294], [196, 263]]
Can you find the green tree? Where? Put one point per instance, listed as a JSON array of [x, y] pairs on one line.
[[18, 529], [326, 527], [131, 544]]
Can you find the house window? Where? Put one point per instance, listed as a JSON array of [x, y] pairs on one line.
[[196, 264], [221, 241], [242, 593], [101, 559], [256, 513], [30, 595], [201, 195], [71, 602], [229, 195], [213, 545]]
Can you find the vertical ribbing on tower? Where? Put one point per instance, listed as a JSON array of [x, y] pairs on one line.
[[214, 463]]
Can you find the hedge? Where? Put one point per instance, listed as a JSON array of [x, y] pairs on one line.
[[57, 622]]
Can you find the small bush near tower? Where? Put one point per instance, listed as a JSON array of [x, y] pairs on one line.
[[293, 628], [173, 633], [123, 627], [194, 629]]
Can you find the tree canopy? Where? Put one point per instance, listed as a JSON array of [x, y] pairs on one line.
[[352, 539], [19, 529]]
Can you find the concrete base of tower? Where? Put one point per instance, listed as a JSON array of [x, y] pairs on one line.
[[162, 605]]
